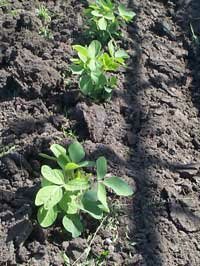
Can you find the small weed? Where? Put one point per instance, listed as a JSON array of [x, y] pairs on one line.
[[6, 150], [4, 3], [43, 14], [71, 190], [69, 133], [46, 33], [195, 38]]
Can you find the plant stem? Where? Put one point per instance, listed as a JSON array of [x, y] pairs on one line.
[[87, 250]]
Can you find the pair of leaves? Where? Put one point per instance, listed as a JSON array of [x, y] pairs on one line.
[[71, 223], [90, 52]]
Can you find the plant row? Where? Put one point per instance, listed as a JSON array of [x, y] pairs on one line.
[[76, 186], [98, 62]]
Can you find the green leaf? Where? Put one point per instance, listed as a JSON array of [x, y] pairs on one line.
[[46, 156], [85, 84], [96, 13], [49, 196], [57, 150], [91, 207], [109, 63], [112, 81], [82, 52], [119, 186], [72, 224], [47, 217], [68, 203], [101, 167], [110, 16], [101, 193], [126, 14], [111, 48], [76, 152], [94, 49], [55, 176], [102, 23], [79, 183], [71, 166], [121, 54], [77, 69], [60, 154]]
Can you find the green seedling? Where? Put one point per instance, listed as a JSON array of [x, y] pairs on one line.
[[69, 191], [194, 36], [46, 33], [105, 18], [43, 14], [4, 3], [93, 66]]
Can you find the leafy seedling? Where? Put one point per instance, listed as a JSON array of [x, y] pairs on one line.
[[46, 33], [104, 19], [93, 66], [43, 14], [69, 190]]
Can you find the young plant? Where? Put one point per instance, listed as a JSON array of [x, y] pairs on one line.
[[93, 66], [105, 18], [43, 15], [69, 191]]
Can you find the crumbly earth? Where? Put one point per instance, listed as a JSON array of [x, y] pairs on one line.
[[149, 132]]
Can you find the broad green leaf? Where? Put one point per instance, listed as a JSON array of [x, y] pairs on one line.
[[60, 153], [102, 81], [121, 54], [47, 217], [111, 48], [57, 150], [93, 65], [55, 176], [101, 193], [119, 186], [126, 14], [79, 183], [74, 166], [71, 166], [90, 195], [94, 49], [76, 152], [96, 13], [68, 203], [85, 84], [49, 196], [109, 16], [108, 89], [82, 52], [101, 167], [72, 224], [102, 23], [77, 69], [95, 75], [90, 206]]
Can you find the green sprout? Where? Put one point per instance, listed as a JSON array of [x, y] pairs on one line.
[[69, 191], [43, 14]]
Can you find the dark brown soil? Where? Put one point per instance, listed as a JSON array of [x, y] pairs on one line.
[[149, 132]]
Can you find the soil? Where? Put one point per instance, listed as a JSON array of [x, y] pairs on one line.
[[149, 132]]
